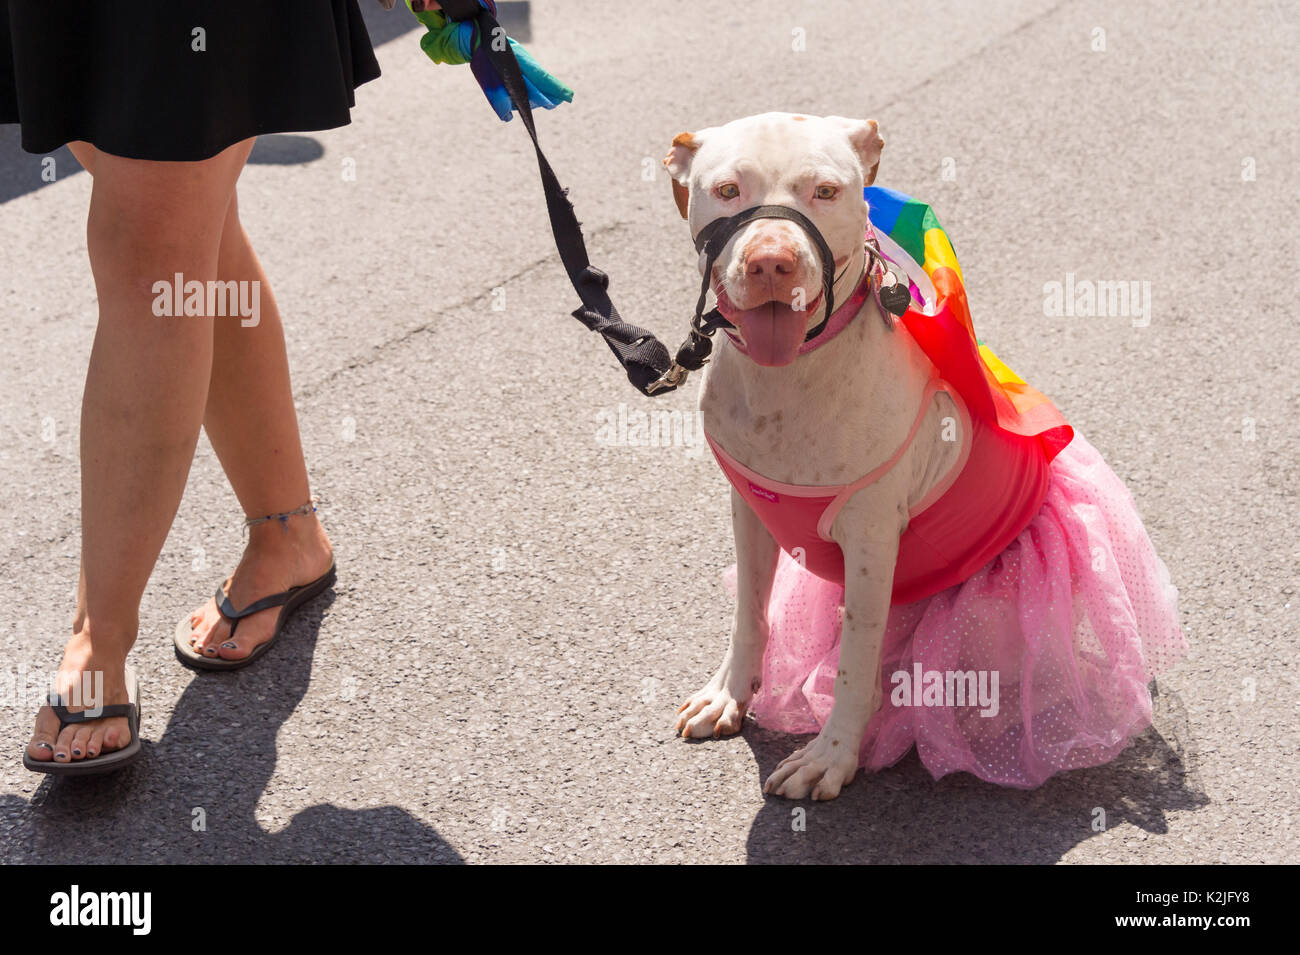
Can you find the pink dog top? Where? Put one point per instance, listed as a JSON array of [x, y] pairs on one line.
[[1010, 432], [977, 509]]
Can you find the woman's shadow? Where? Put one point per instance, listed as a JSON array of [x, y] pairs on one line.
[[192, 796], [902, 815]]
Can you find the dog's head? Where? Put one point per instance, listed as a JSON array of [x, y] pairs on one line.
[[768, 278]]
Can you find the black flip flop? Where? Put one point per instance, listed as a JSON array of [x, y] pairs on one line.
[[289, 601], [105, 762]]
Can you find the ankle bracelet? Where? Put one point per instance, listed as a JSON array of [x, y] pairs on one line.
[[308, 508]]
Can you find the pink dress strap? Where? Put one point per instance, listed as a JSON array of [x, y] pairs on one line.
[[848, 490]]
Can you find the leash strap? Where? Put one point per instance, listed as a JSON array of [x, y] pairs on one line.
[[644, 358]]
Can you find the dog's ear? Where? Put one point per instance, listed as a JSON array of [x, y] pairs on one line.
[[678, 164], [864, 136]]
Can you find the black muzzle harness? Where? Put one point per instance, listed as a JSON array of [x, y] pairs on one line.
[[644, 357], [713, 238]]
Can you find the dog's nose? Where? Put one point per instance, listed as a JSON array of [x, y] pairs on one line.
[[771, 260]]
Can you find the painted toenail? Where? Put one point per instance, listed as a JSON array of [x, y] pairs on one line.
[[230, 646], [60, 755], [76, 752]]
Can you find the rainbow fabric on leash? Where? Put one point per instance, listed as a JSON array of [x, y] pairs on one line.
[[509, 78], [457, 42], [944, 331], [947, 335]]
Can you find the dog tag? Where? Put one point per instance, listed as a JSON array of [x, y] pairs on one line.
[[894, 296]]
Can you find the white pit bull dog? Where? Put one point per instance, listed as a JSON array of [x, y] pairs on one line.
[[827, 416]]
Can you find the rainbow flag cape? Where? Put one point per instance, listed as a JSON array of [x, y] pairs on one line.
[[940, 323]]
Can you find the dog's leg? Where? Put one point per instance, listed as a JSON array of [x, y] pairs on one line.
[[830, 761], [719, 708]]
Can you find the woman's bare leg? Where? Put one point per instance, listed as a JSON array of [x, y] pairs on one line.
[[146, 390], [251, 422]]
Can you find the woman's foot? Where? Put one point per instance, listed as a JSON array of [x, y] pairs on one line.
[[93, 674], [277, 558]]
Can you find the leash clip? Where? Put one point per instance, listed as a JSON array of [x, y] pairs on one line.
[[674, 377]]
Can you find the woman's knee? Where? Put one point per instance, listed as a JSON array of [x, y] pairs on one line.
[[159, 215], [234, 243]]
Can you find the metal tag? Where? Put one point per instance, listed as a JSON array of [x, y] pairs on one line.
[[894, 296]]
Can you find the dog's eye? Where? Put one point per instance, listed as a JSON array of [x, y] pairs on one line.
[[827, 191], [729, 190]]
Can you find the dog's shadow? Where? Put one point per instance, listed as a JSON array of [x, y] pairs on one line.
[[902, 815], [192, 796]]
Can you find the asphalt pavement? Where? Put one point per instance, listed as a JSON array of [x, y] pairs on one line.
[[524, 601]]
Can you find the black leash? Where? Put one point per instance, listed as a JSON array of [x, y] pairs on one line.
[[644, 357]]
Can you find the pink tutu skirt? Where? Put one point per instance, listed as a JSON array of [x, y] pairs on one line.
[[1062, 632]]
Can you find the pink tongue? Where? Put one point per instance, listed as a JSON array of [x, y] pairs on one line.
[[773, 333]]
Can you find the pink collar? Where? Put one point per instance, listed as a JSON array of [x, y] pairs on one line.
[[838, 321]]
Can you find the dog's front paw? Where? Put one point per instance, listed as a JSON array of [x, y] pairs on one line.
[[822, 768], [717, 710]]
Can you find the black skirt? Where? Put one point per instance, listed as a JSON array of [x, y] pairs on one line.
[[178, 80]]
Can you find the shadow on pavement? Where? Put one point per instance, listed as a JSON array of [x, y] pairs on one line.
[[20, 172], [218, 752], [902, 815], [384, 25], [285, 149]]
